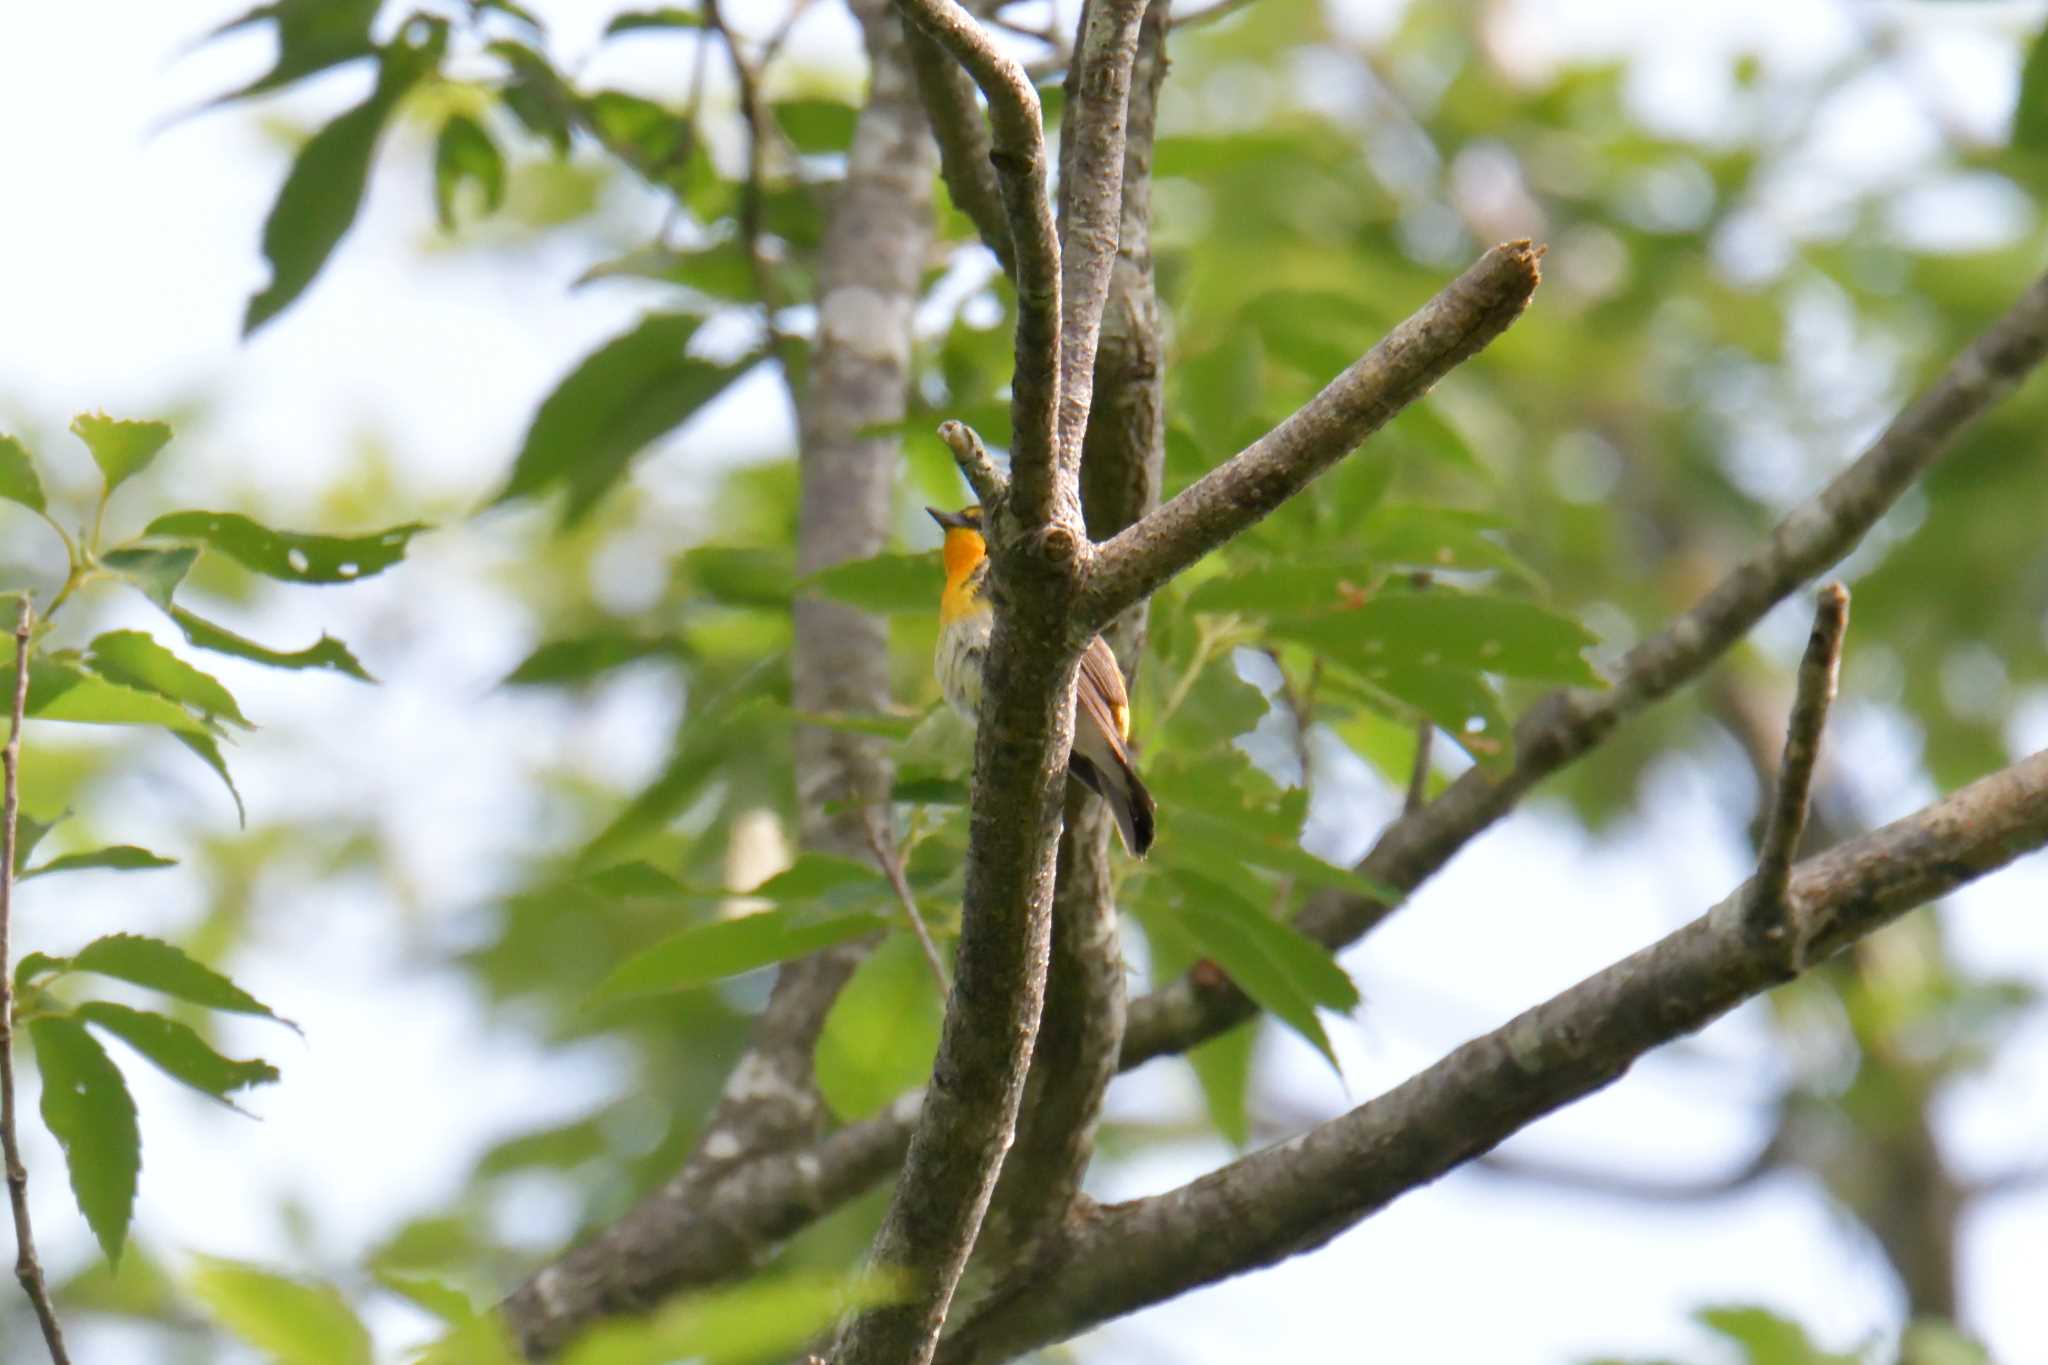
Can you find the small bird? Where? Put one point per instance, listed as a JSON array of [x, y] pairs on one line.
[[1102, 708]]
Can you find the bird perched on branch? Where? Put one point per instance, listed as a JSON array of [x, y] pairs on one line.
[[1100, 757]]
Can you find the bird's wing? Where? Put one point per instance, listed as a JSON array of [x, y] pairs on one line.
[[1101, 691]]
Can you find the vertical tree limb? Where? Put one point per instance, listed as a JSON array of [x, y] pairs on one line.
[[27, 1268], [876, 239]]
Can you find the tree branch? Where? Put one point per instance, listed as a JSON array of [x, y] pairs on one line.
[[1452, 327], [872, 260], [1567, 724], [1296, 1196], [988, 483], [1767, 915], [27, 1268], [964, 148], [1018, 156], [1080, 1031]]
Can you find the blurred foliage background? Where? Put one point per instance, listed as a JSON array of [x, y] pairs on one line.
[[1765, 229]]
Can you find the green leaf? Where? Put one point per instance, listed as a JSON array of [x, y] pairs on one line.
[[740, 576], [535, 94], [327, 653], [29, 832], [87, 1107], [312, 35], [1768, 1339], [208, 749], [817, 127], [134, 659], [888, 727], [288, 555], [766, 1318], [882, 1032], [727, 947], [2030, 115], [580, 658], [290, 1321], [630, 392], [317, 204], [637, 130], [1444, 629], [1440, 538], [115, 858], [1289, 975], [1223, 1066], [465, 154], [1291, 588], [18, 479], [668, 16], [121, 449], [33, 965], [176, 1049], [59, 690], [884, 583], [155, 573], [153, 963]]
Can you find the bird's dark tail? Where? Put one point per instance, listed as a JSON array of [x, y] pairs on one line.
[[1117, 783]]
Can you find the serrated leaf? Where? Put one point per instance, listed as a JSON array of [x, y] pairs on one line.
[[60, 690], [712, 952], [133, 658], [668, 16], [155, 573], [463, 155], [327, 653], [766, 1318], [1441, 629], [627, 394], [815, 126], [176, 1049], [28, 832], [887, 583], [291, 1321], [290, 556], [882, 1032], [121, 449], [1287, 974], [161, 966], [33, 965], [87, 1107], [317, 204], [115, 858], [580, 658], [19, 481], [740, 576]]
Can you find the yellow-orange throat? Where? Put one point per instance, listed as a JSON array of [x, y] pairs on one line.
[[964, 552]]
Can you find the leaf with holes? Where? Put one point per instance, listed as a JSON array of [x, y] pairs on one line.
[[19, 481], [115, 858], [288, 556], [87, 1107], [121, 449], [133, 658]]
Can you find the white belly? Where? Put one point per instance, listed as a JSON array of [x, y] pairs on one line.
[[962, 648]]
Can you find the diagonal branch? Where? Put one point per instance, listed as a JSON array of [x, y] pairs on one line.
[[1294, 1197], [1566, 725], [964, 148], [1451, 328], [1768, 915]]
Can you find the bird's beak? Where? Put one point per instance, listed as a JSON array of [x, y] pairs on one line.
[[951, 521]]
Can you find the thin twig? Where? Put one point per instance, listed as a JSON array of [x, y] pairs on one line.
[[1223, 9], [972, 456], [27, 1268], [1418, 776], [1766, 915], [757, 121], [892, 868]]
